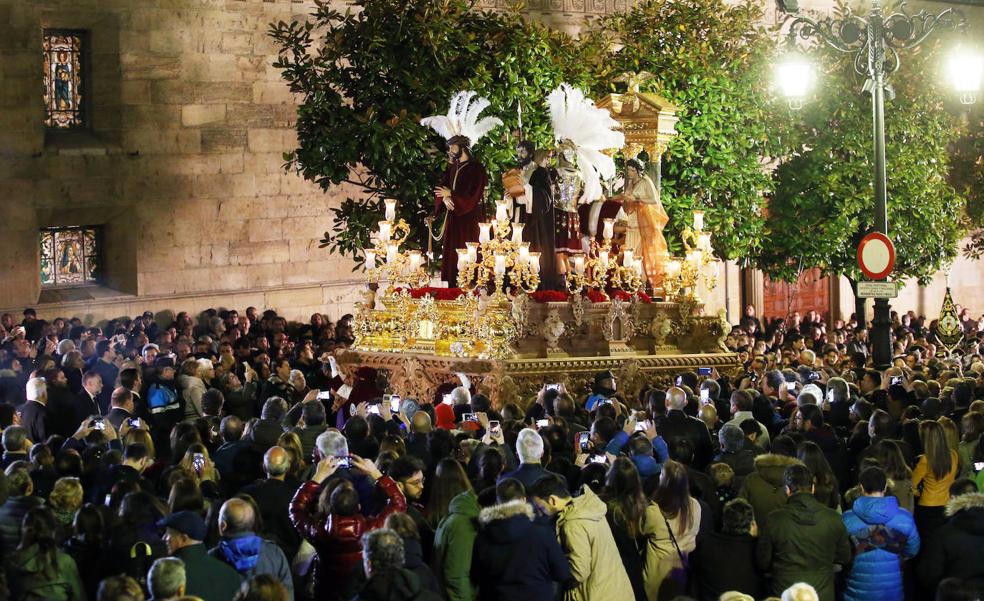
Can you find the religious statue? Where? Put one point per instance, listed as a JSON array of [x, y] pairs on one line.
[[517, 181], [646, 220], [593, 217], [583, 132], [539, 230], [461, 189]]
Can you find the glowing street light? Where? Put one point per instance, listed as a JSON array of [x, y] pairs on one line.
[[794, 77], [965, 69]]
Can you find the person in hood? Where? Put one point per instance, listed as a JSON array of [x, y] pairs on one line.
[[883, 535], [39, 569], [515, 556], [803, 540], [764, 488], [244, 550], [954, 550], [327, 516], [586, 539], [383, 558]]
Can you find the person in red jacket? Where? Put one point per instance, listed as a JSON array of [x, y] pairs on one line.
[[327, 516]]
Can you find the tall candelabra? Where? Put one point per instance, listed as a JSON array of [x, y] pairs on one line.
[[601, 270], [387, 261], [682, 277], [500, 259]]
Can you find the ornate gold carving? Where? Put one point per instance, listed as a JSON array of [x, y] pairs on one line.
[[551, 330]]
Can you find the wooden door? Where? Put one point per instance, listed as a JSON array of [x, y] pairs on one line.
[[810, 293]]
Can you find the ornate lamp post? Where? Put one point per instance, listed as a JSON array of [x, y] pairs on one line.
[[875, 42]]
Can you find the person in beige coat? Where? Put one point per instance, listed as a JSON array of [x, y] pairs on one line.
[[673, 522], [596, 570]]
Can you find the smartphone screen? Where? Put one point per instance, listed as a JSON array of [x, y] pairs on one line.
[[553, 387], [324, 395], [447, 399], [395, 402], [705, 396], [542, 423], [641, 426], [598, 459], [584, 441], [896, 380], [703, 371], [494, 428], [374, 409], [344, 462]]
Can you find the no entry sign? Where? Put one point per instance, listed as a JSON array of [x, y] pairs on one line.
[[876, 256]]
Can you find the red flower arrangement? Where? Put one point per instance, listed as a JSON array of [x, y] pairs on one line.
[[621, 295], [596, 296], [549, 296]]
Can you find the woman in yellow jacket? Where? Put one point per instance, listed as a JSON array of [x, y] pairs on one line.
[[935, 471]]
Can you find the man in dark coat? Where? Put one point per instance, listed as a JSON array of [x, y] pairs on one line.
[[725, 561], [34, 413], [516, 557], [207, 577], [388, 580], [678, 425], [954, 550], [104, 365], [803, 540], [12, 512], [460, 195], [272, 496]]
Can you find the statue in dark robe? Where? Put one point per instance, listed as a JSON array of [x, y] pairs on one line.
[[539, 230], [459, 194]]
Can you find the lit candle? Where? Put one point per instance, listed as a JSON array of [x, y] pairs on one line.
[[501, 211], [500, 264], [384, 231], [673, 267], [370, 259], [609, 230], [579, 265], [472, 251], [415, 259], [637, 265], [704, 241], [628, 256], [391, 250], [535, 262], [462, 258], [483, 232], [524, 252], [517, 232], [603, 259], [390, 209], [698, 220]]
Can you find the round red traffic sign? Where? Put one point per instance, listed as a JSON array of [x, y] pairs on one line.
[[876, 256]]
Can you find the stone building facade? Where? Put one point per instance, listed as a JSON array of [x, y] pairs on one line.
[[181, 168]]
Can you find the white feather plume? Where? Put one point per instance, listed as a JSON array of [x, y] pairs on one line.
[[592, 130], [462, 118]]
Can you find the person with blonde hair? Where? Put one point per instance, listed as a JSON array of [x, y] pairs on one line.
[[64, 500], [800, 591], [935, 471], [197, 461]]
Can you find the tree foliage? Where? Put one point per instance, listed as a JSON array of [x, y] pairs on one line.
[[824, 191], [711, 58], [369, 75]]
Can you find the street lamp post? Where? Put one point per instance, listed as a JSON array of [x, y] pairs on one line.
[[875, 42]]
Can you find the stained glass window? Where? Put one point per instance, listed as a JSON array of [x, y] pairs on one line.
[[70, 256], [64, 89]]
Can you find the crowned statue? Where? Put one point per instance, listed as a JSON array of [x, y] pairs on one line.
[[646, 220], [459, 194], [583, 132]]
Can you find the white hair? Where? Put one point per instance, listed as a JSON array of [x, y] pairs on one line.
[[205, 366], [166, 577], [810, 395], [676, 398], [800, 591], [65, 346], [461, 396], [332, 444], [529, 446], [36, 388]]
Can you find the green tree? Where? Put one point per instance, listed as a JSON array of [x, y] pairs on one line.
[[824, 191], [367, 77], [710, 57]]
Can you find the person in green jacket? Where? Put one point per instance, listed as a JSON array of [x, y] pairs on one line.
[[453, 544], [205, 577], [803, 540], [38, 569]]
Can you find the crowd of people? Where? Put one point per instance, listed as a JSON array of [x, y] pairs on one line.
[[228, 457]]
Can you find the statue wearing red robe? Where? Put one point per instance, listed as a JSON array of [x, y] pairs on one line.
[[467, 181]]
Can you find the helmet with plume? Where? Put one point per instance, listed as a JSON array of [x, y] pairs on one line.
[[462, 125], [578, 123]]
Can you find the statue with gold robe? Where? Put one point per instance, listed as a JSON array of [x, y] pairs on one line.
[[646, 220]]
